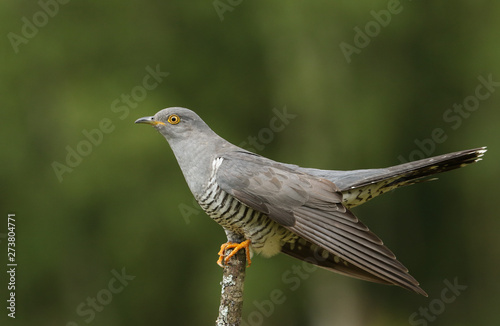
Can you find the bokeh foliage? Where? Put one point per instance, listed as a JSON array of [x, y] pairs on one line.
[[124, 205]]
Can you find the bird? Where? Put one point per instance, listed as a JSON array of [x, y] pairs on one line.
[[272, 207]]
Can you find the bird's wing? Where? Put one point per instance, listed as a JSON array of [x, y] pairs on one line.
[[312, 208]]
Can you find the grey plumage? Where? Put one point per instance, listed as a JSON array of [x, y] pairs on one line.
[[302, 212]]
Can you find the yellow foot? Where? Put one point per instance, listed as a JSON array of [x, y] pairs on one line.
[[237, 246]]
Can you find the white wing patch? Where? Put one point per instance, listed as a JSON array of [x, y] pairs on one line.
[[216, 163]]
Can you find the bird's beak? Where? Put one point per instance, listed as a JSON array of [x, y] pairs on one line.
[[149, 121]]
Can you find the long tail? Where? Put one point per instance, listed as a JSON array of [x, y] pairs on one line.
[[359, 186]]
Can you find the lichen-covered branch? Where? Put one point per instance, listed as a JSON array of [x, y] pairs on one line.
[[231, 301]]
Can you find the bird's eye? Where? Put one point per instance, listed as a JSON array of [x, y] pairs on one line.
[[173, 119]]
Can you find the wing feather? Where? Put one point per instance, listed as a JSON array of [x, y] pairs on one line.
[[312, 208]]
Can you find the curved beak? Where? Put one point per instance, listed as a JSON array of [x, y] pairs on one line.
[[149, 121]]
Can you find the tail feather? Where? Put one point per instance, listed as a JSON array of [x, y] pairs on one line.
[[413, 172], [359, 186]]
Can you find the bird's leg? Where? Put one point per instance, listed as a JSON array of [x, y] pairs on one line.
[[236, 247]]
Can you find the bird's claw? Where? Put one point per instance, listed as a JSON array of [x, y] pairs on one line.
[[236, 247]]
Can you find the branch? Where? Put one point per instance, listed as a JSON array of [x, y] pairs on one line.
[[231, 300]]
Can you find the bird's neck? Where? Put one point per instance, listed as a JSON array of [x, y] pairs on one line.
[[195, 157]]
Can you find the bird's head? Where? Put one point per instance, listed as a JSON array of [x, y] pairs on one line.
[[176, 122]]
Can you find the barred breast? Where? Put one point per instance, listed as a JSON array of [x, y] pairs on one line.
[[267, 237]]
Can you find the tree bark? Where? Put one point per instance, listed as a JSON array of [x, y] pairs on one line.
[[231, 301]]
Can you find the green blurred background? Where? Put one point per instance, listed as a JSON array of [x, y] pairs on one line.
[[125, 203]]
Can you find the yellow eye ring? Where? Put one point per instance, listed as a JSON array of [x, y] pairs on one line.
[[173, 119]]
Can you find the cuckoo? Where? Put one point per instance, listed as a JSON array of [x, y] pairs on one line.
[[273, 207]]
